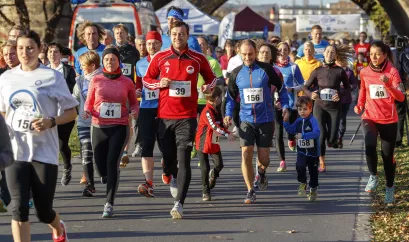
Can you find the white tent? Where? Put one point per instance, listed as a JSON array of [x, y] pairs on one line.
[[200, 23]]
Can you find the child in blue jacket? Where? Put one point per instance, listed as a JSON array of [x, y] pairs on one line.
[[307, 134]]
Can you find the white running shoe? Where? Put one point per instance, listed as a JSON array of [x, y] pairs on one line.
[[173, 187], [137, 151], [177, 211]]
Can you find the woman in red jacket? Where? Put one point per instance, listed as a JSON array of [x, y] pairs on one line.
[[108, 94], [380, 87]]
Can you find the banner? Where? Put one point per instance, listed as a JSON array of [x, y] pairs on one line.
[[329, 23], [226, 28]]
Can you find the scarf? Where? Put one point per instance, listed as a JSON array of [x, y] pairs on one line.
[[283, 62], [112, 75], [330, 64], [380, 68]]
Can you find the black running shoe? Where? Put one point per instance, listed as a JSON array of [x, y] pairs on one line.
[[88, 191], [212, 179], [66, 176], [262, 185]]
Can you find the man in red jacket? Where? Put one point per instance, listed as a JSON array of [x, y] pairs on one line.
[[175, 71]]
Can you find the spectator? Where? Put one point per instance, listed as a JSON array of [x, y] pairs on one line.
[[229, 53], [219, 53]]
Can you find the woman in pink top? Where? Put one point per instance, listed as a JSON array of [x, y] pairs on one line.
[[108, 95]]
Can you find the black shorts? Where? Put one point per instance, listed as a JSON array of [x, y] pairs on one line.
[[148, 130], [261, 133]]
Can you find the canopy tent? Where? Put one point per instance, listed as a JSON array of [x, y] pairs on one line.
[[233, 25], [200, 23]]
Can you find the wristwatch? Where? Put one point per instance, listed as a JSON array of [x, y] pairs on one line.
[[53, 123]]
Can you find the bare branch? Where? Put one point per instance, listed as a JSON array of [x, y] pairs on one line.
[[7, 5], [8, 21]]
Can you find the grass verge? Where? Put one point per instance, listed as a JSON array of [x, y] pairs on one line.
[[74, 144], [391, 223]]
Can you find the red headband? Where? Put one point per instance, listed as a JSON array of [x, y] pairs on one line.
[[153, 35]]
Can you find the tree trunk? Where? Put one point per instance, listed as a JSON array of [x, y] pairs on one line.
[[53, 21], [22, 13]]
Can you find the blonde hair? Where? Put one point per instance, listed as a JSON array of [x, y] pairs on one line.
[[81, 30], [8, 43], [310, 44], [284, 43], [120, 26], [344, 53], [89, 58]]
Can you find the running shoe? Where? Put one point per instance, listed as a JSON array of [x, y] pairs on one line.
[[124, 160], [256, 181], [389, 195], [83, 179], [291, 145], [301, 189], [251, 197], [104, 179], [108, 211], [3, 207], [263, 182], [340, 144], [137, 152], [146, 190], [193, 153], [312, 196], [66, 176], [283, 166], [64, 236], [212, 179], [166, 178], [206, 197], [177, 211], [372, 184], [173, 187], [88, 191]]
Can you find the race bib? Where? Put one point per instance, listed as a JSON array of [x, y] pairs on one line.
[[253, 95], [319, 51], [23, 121], [151, 94], [126, 69], [378, 91], [215, 138], [327, 94], [110, 110], [180, 89], [306, 143]]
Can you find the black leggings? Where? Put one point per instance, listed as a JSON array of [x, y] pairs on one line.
[[175, 137], [205, 167], [387, 133], [279, 135], [108, 145], [343, 121], [87, 154], [41, 179], [4, 191], [64, 132], [328, 120]]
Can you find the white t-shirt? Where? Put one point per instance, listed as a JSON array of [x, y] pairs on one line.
[[25, 95], [234, 62]]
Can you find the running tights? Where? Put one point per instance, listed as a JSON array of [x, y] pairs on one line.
[[87, 154], [205, 167], [328, 120], [279, 135], [64, 132]]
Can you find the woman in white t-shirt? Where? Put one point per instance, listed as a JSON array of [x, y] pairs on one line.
[[30, 96]]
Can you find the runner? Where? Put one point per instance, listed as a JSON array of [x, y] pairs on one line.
[[90, 34], [362, 46], [326, 81], [9, 52], [380, 87], [308, 63], [178, 68], [90, 65], [229, 53], [30, 97], [110, 121], [64, 131], [293, 81], [201, 102], [207, 142], [176, 14], [16, 31], [108, 37], [359, 64], [251, 82], [346, 100], [129, 55], [140, 44], [307, 132], [149, 111], [319, 44]]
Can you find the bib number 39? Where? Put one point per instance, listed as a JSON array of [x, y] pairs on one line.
[[180, 89], [305, 143], [110, 110]]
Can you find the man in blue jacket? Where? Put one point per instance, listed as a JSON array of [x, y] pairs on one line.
[[250, 87], [176, 14]]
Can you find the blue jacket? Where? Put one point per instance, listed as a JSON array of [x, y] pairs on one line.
[[310, 130], [292, 78], [141, 67], [80, 51], [191, 42], [251, 86]]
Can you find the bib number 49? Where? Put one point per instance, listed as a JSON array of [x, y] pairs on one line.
[[380, 94]]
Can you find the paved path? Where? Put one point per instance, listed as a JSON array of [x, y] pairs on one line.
[[339, 214]]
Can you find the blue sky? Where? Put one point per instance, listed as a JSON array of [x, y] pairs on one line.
[[284, 2]]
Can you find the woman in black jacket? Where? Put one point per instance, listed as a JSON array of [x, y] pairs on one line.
[[54, 54]]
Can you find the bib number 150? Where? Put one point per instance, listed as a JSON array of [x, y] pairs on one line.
[[24, 124]]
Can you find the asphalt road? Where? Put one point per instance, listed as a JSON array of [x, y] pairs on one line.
[[279, 214]]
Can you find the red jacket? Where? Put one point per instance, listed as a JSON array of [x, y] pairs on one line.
[[179, 100], [380, 106], [363, 49], [208, 131]]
